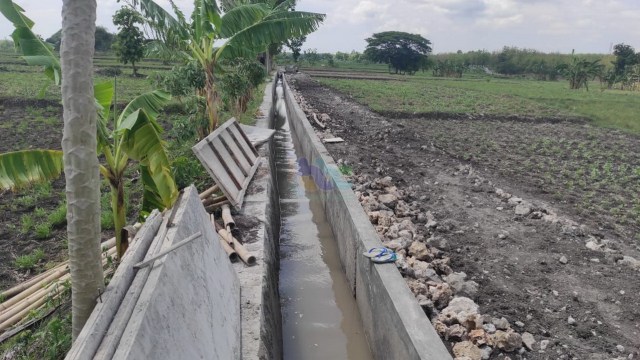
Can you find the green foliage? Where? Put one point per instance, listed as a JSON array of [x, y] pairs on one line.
[[448, 68], [104, 39], [403, 52], [625, 57], [57, 337], [58, 216], [129, 44], [29, 261], [6, 45], [111, 71], [34, 50], [20, 168], [182, 80], [238, 83], [26, 223], [208, 36], [43, 230], [345, 169], [311, 56], [580, 71], [295, 44]]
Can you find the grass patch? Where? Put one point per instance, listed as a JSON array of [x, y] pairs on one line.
[[485, 95], [43, 230], [29, 261], [58, 216], [26, 223]]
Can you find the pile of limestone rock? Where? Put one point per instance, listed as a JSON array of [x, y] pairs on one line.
[[445, 295]]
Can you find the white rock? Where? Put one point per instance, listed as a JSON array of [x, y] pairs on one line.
[[528, 340], [544, 344], [563, 259], [522, 209]]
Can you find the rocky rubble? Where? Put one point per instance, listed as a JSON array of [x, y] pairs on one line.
[[446, 296]]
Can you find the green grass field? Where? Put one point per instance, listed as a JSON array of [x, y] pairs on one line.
[[480, 94]]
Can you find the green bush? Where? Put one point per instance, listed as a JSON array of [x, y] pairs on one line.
[[58, 216], [29, 261], [111, 71], [43, 230]]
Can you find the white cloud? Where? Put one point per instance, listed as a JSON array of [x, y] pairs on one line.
[[548, 25]]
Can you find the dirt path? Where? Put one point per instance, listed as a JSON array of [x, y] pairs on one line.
[[527, 252]]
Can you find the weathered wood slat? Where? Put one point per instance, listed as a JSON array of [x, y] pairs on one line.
[[246, 146], [229, 157], [240, 160]]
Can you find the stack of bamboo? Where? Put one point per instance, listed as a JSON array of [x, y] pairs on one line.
[[230, 244], [22, 299], [211, 201]]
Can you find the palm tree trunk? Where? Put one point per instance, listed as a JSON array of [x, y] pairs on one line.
[[80, 158]]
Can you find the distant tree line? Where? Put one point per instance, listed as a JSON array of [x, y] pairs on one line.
[[104, 39]]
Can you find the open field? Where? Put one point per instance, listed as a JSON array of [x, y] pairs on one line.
[[476, 94], [579, 181]]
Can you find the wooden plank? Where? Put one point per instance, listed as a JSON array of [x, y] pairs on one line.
[[247, 155], [240, 197], [210, 162], [230, 159], [240, 159], [236, 179], [236, 126], [244, 144]]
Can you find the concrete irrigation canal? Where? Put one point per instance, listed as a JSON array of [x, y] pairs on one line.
[[320, 318], [311, 294]]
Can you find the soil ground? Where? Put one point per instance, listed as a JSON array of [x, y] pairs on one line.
[[440, 161]]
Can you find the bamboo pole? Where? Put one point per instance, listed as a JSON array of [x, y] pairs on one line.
[[32, 289], [233, 255], [7, 294], [44, 292], [213, 207], [236, 245], [224, 234], [19, 316], [243, 253], [213, 200], [229, 224], [61, 270], [205, 194]]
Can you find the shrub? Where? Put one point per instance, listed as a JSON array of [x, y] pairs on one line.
[[43, 230], [29, 261], [112, 71], [59, 215]]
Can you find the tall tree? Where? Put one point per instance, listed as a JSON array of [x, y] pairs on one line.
[[625, 57], [129, 45], [403, 52], [209, 36], [79, 146], [104, 39], [295, 45]]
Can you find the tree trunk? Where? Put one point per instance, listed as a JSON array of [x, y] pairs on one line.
[[80, 158], [119, 216], [212, 101]]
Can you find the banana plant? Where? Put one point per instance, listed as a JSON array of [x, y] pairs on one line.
[[209, 36], [136, 135]]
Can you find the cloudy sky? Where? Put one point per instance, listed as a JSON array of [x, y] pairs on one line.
[[547, 25]]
